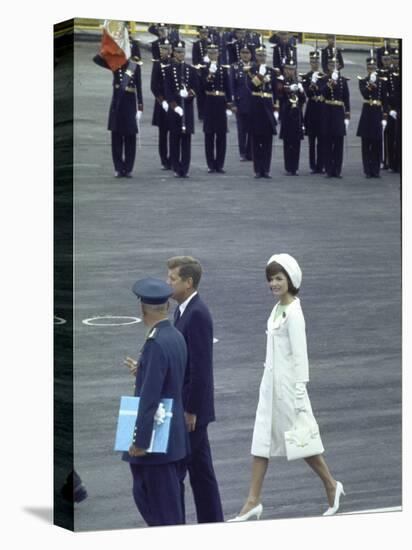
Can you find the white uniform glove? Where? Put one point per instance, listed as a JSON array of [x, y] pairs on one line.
[[346, 123], [213, 68], [179, 111], [335, 75], [300, 87], [315, 77], [294, 87], [139, 115], [393, 114], [206, 59], [276, 115], [262, 70], [229, 112], [300, 394], [183, 93], [372, 77], [384, 123], [165, 105]]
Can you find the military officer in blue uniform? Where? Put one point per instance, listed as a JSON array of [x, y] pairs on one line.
[[163, 31], [314, 113], [193, 319], [264, 113], [291, 98], [161, 106], [172, 31], [160, 374], [373, 119], [234, 47], [181, 86], [336, 115], [125, 110], [242, 96], [383, 51], [331, 52], [215, 83], [283, 48], [199, 60], [393, 130]]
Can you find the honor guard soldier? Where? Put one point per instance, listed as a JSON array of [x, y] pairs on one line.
[[163, 31], [393, 130], [215, 82], [283, 49], [242, 95], [291, 99], [373, 119], [335, 122], [160, 374], [264, 113], [313, 113], [332, 52], [181, 86], [199, 60], [161, 106], [172, 31], [233, 48], [383, 51], [126, 107]]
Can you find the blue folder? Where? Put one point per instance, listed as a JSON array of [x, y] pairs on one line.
[[126, 422]]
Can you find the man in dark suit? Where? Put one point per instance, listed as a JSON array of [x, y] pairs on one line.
[[193, 320], [160, 374]]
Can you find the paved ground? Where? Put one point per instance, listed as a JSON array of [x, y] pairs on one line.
[[346, 236]]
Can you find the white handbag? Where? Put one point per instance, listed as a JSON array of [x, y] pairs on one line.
[[303, 439]]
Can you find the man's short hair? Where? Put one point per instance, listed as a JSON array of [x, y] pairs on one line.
[[155, 308], [188, 267]]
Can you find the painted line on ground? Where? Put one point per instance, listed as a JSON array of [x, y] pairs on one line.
[[129, 320], [59, 320], [373, 511]]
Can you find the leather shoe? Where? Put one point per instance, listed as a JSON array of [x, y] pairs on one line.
[[331, 511]]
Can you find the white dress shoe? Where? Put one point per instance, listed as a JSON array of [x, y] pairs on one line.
[[254, 512], [331, 511]]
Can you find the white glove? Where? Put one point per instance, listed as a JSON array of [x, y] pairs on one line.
[[294, 87], [300, 393], [300, 87], [393, 114], [346, 123], [165, 105], [262, 70], [206, 59], [183, 93], [335, 75], [372, 77], [229, 112], [179, 111], [213, 68], [139, 115], [276, 115], [315, 77], [384, 123]]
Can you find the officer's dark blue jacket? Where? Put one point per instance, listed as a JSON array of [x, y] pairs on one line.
[[178, 74], [240, 88], [370, 121], [196, 325], [161, 374]]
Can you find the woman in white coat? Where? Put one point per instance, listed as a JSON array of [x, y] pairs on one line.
[[283, 395]]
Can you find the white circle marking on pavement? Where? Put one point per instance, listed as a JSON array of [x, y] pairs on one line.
[[59, 320], [126, 320]]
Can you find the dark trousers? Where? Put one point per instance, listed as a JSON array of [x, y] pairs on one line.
[[215, 147], [316, 154], [243, 135], [371, 156], [164, 146], [262, 152], [157, 494], [291, 154], [201, 98], [180, 150], [333, 154], [202, 478], [123, 152], [392, 133]]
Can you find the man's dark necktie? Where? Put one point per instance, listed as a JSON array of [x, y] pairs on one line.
[[177, 314]]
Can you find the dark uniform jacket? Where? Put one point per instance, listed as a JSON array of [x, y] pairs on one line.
[[336, 105], [161, 374], [240, 88], [263, 100], [283, 52], [157, 86], [291, 114], [374, 107], [196, 325], [126, 98], [328, 53], [217, 90], [179, 75], [314, 106], [199, 51]]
